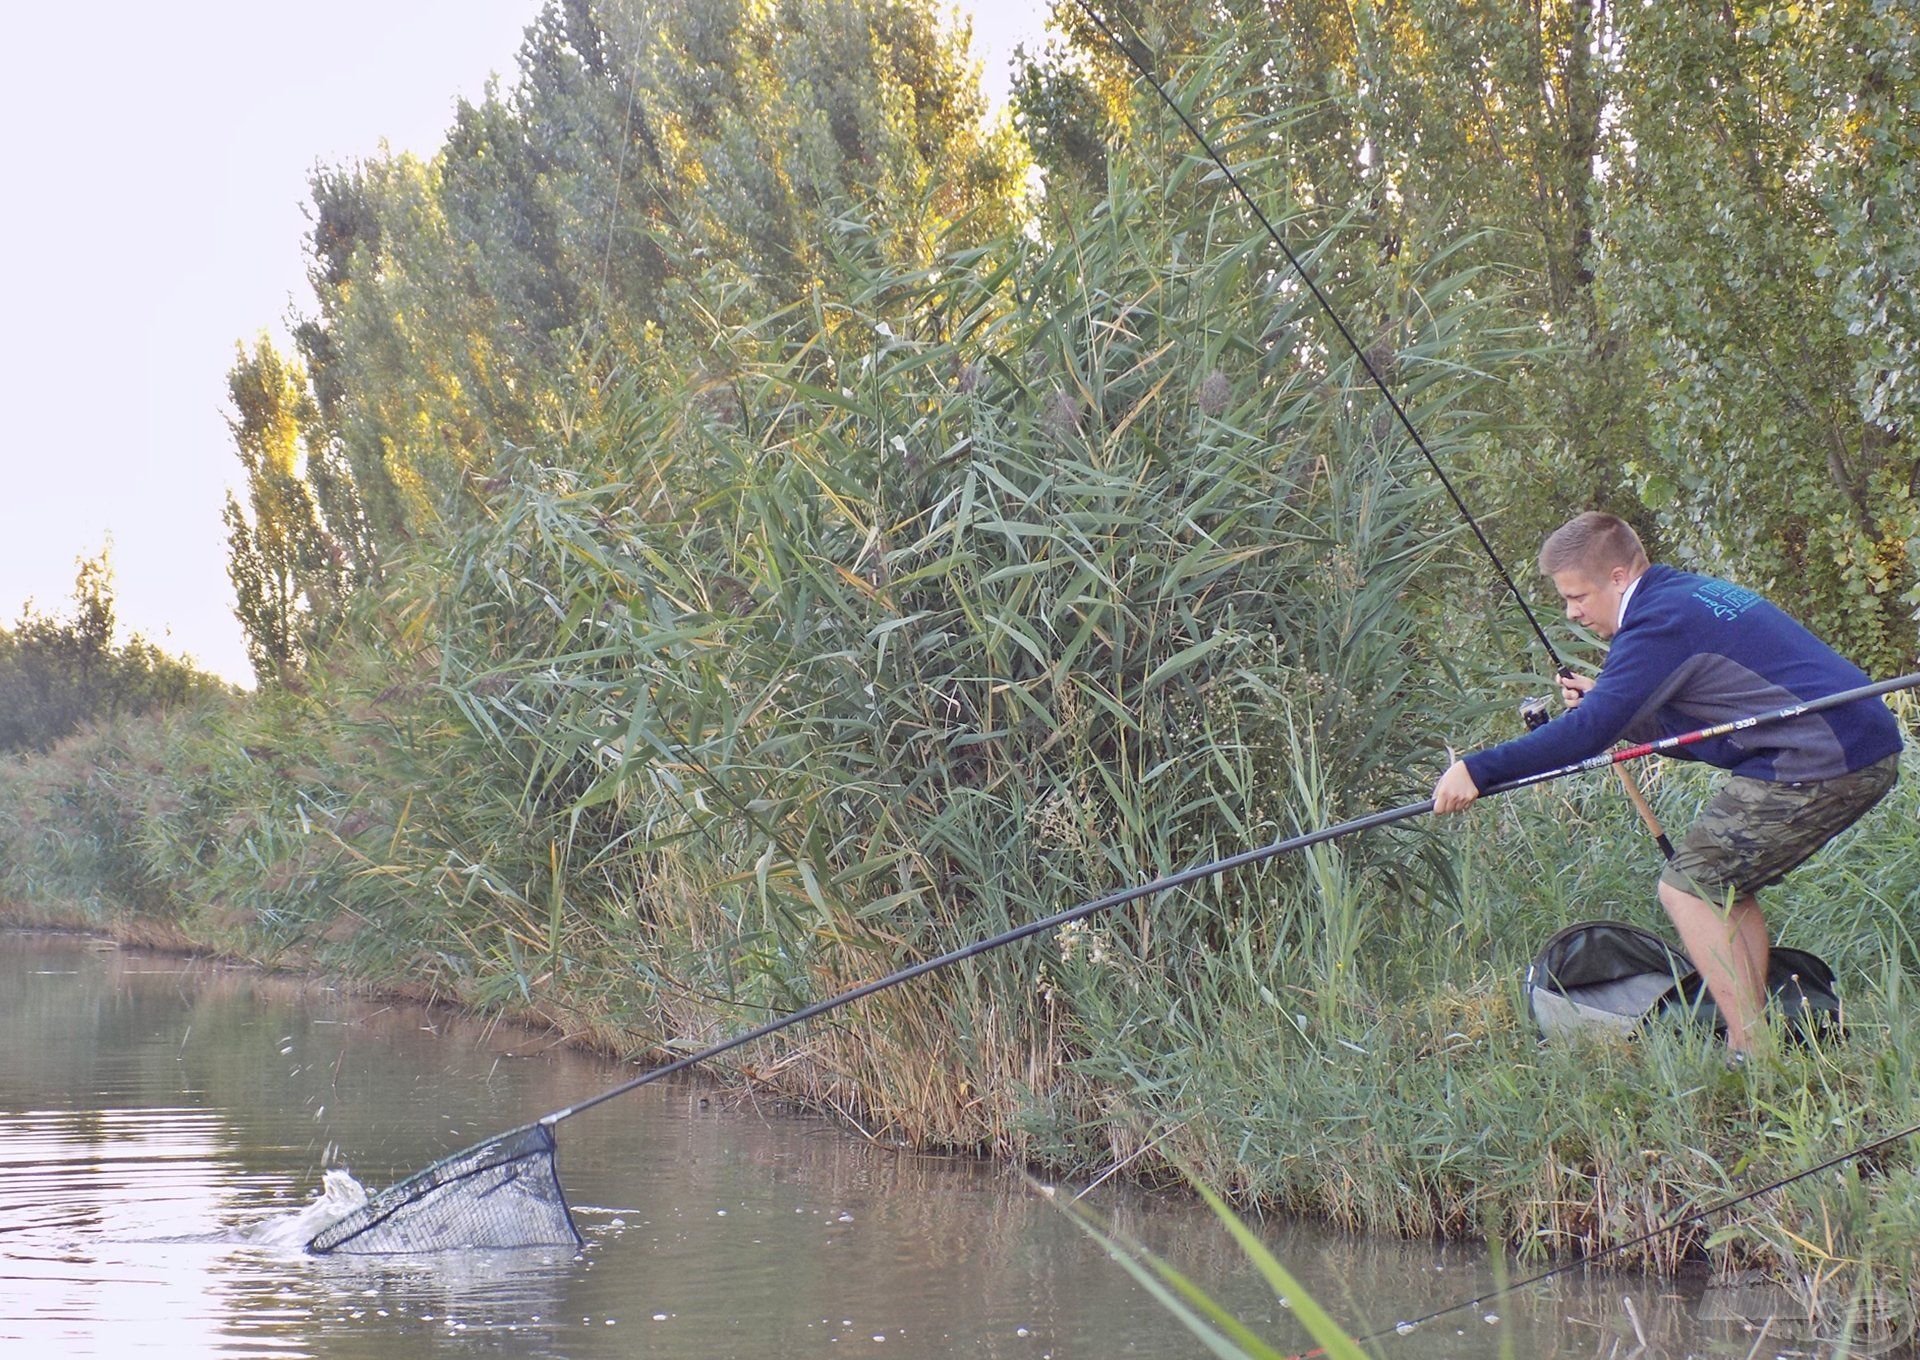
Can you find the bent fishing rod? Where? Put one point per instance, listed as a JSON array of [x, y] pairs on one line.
[[1533, 712], [1603, 760], [1139, 64], [501, 1156]]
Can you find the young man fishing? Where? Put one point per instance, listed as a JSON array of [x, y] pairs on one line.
[[1689, 651]]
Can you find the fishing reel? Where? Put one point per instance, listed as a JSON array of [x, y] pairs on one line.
[[1534, 713]]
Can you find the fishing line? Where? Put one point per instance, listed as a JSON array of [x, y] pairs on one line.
[[1139, 64]]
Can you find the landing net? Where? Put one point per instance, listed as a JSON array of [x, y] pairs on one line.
[[502, 1193]]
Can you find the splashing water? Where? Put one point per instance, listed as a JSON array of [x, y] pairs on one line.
[[340, 1195]]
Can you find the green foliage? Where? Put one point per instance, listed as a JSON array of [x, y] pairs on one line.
[[464, 303], [462, 299], [1756, 272], [290, 574], [1215, 1326], [983, 595], [1471, 124], [1706, 219], [57, 673], [1060, 114]]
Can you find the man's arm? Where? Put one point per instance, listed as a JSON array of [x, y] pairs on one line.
[[1456, 789], [1645, 666]]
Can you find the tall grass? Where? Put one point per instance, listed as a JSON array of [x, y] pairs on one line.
[[996, 590]]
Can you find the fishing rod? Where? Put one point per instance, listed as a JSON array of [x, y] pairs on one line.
[[1588, 1258], [1387, 817], [1139, 65], [457, 1189], [1534, 712]]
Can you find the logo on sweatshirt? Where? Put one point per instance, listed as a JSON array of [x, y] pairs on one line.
[[1724, 600]]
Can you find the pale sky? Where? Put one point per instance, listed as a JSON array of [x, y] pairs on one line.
[[158, 157]]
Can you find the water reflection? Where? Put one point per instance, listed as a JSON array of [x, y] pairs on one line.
[[115, 1221], [155, 1113]]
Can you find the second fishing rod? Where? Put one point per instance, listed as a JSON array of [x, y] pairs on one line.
[[1534, 713]]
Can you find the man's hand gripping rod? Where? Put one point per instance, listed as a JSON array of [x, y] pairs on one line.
[[1534, 714]]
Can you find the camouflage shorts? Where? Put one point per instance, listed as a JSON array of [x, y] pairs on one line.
[[1752, 832]]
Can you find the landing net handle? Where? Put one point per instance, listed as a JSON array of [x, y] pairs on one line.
[[1281, 847]]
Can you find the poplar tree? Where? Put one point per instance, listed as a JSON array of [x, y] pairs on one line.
[[657, 171], [289, 574]]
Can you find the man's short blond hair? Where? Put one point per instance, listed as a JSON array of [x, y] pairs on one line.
[[1592, 544]]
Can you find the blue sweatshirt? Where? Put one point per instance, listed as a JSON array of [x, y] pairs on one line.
[[1693, 652]]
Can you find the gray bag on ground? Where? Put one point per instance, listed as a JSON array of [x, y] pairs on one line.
[[1608, 976]]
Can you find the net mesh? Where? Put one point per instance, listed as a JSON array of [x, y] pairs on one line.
[[504, 1192]]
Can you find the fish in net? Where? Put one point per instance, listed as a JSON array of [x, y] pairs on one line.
[[504, 1192]]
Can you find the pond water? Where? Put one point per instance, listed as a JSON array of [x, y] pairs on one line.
[[158, 1113]]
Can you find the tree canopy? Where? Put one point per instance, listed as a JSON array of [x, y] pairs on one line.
[[1708, 212]]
